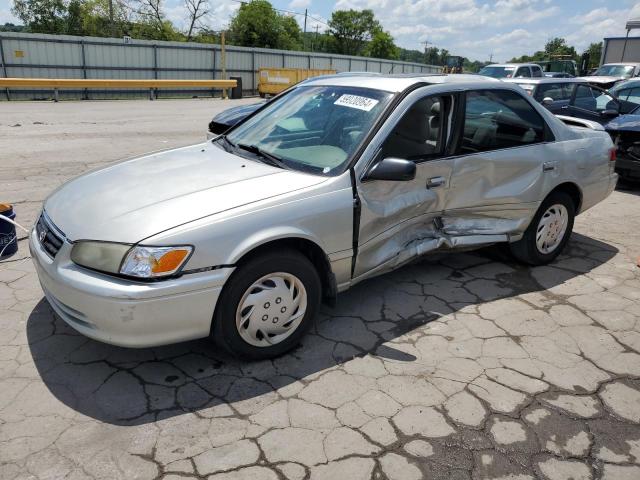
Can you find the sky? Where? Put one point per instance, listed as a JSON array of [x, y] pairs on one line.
[[476, 29]]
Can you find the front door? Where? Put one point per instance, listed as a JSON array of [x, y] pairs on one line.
[[590, 103], [398, 217]]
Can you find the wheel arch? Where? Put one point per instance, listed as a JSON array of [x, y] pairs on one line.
[[573, 191], [302, 243]]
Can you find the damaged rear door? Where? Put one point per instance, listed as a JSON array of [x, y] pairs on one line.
[[500, 167], [397, 217]]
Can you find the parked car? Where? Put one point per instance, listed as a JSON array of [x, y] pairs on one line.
[[625, 132], [618, 111], [511, 70], [558, 89], [608, 75], [336, 181], [621, 70], [575, 98], [226, 119], [628, 90]]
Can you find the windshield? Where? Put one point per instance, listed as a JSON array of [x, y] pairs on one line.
[[498, 72], [624, 71], [316, 129]]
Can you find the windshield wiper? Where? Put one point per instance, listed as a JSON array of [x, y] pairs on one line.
[[269, 157], [228, 142]]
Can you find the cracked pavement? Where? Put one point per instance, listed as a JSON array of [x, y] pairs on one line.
[[459, 366]]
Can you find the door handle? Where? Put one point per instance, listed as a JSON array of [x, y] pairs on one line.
[[548, 166], [565, 107], [434, 182]]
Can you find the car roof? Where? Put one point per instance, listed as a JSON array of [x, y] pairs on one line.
[[398, 82], [538, 80], [513, 65], [630, 64]]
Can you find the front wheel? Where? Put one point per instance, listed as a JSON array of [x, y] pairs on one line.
[[549, 231], [267, 305]]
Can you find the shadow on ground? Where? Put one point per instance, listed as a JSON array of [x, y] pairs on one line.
[[137, 386]]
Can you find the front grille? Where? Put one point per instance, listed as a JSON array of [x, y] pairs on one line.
[[50, 240]]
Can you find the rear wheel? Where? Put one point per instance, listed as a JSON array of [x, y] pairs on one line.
[[267, 305], [549, 231]]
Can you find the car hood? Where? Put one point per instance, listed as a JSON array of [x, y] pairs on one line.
[[624, 123], [601, 80], [136, 199]]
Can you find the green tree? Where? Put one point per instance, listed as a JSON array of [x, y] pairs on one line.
[[382, 46], [351, 28], [558, 46], [595, 52], [73, 19], [432, 56], [42, 16], [10, 27], [96, 21], [290, 37], [256, 24]]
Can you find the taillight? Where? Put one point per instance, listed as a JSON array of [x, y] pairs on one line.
[[612, 155]]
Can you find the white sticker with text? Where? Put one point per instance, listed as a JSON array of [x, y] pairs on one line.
[[356, 101]]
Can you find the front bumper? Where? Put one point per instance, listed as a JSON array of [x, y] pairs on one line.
[[124, 312]]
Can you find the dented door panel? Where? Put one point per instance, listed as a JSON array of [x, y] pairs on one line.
[[497, 191], [397, 214]]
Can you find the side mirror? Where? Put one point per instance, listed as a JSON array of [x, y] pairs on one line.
[[392, 169], [546, 101], [609, 113]]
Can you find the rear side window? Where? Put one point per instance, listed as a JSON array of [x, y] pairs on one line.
[[523, 72], [556, 91], [496, 119], [633, 95], [536, 71], [623, 94]]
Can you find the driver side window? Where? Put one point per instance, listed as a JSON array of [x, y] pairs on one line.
[[593, 100], [422, 132]]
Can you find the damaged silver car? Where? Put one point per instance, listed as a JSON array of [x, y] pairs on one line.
[[335, 181]]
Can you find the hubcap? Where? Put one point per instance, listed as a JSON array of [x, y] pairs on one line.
[[552, 228], [271, 309]]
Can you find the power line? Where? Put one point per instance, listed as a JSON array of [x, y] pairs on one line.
[[288, 11]]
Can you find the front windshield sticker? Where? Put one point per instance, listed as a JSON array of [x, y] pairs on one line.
[[356, 101]]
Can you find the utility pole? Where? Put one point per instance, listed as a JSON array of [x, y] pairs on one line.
[[304, 34], [223, 60], [113, 27], [316, 37], [491, 58]]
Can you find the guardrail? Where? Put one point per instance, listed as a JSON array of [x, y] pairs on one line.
[[80, 83]]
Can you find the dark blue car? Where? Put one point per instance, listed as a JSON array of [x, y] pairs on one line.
[[228, 118], [625, 132]]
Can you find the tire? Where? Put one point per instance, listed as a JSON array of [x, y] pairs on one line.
[[528, 250], [266, 286]]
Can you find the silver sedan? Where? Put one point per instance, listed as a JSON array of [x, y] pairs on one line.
[[335, 181]]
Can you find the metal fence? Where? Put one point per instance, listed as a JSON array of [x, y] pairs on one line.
[[65, 56]]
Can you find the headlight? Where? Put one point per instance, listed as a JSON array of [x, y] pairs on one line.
[[153, 262], [142, 262], [102, 256]]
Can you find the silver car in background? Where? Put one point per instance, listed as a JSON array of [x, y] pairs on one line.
[[335, 181]]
